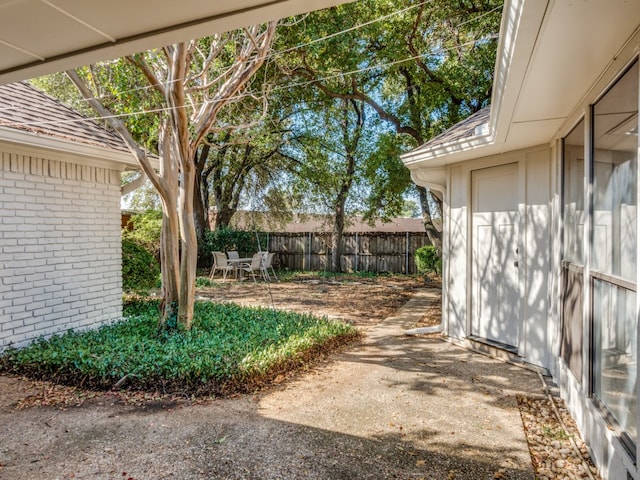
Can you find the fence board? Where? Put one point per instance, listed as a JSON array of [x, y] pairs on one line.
[[362, 252]]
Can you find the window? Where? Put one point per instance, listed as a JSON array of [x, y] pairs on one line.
[[573, 242], [573, 194], [615, 150], [613, 252], [615, 324]]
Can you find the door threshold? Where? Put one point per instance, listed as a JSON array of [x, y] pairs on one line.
[[495, 349], [494, 343], [501, 351]]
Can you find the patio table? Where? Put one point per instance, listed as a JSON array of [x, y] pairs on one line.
[[238, 263]]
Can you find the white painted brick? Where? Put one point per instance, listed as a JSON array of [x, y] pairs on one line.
[[62, 308], [27, 302], [38, 297], [16, 264], [16, 340], [13, 176], [13, 294], [54, 301], [12, 191], [13, 280], [26, 329], [60, 246], [21, 315], [12, 220], [36, 321], [43, 312], [11, 325]]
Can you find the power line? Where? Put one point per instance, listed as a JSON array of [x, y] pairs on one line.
[[351, 29], [312, 42], [281, 52], [277, 88]]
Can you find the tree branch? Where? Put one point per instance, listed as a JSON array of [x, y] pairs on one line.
[[119, 127]]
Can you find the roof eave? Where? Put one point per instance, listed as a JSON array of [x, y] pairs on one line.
[[61, 149], [519, 29], [447, 153]]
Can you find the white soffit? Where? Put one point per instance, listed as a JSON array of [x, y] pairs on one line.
[[550, 55], [577, 41], [45, 36]]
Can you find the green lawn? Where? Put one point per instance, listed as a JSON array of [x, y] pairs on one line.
[[229, 349]]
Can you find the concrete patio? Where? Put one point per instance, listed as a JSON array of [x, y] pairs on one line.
[[394, 406]]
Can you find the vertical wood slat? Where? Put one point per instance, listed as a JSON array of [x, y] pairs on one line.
[[365, 252]]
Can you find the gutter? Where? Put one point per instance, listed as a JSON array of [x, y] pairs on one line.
[[60, 150]]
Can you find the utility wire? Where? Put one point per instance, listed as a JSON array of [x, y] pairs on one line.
[[312, 42], [245, 95], [351, 29]]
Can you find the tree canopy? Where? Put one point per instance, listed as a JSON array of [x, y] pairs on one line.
[[421, 68], [318, 122]]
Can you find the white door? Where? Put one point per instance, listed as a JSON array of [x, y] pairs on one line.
[[495, 296]]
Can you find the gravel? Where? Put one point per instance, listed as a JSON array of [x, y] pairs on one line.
[[557, 450]]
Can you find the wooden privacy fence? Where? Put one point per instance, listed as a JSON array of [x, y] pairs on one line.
[[362, 252]]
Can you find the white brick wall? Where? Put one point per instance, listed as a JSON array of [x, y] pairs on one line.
[[60, 251]]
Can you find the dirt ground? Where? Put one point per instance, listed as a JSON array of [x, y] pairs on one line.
[[313, 425], [359, 301]]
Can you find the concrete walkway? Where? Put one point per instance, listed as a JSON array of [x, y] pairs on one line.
[[392, 407], [449, 412]]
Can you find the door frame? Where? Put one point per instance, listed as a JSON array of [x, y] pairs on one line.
[[521, 209]]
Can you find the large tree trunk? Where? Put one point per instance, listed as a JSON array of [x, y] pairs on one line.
[[201, 195], [170, 234], [200, 211], [170, 261], [223, 217], [435, 236], [184, 150], [189, 258], [351, 145]]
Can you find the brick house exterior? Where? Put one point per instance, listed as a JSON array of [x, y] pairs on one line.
[[60, 251]]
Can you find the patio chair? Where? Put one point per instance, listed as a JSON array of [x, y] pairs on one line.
[[233, 255], [220, 263], [267, 263], [255, 267]]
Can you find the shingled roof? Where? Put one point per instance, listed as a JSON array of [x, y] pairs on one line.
[[24, 108], [322, 223], [461, 130]]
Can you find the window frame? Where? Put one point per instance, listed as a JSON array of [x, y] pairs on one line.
[[594, 275]]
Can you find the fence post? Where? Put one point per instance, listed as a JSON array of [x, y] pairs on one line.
[[309, 255], [357, 251], [406, 268]]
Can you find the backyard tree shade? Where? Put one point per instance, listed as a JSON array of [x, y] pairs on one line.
[[333, 160], [421, 68], [413, 70], [195, 80]]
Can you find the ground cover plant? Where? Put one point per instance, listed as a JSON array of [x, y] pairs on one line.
[[229, 349]]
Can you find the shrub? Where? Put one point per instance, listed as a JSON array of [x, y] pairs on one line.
[[140, 269], [205, 282], [428, 260], [225, 238], [229, 349], [146, 229]]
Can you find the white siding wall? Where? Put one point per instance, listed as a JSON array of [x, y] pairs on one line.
[[60, 248], [538, 248], [455, 309], [535, 246]]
